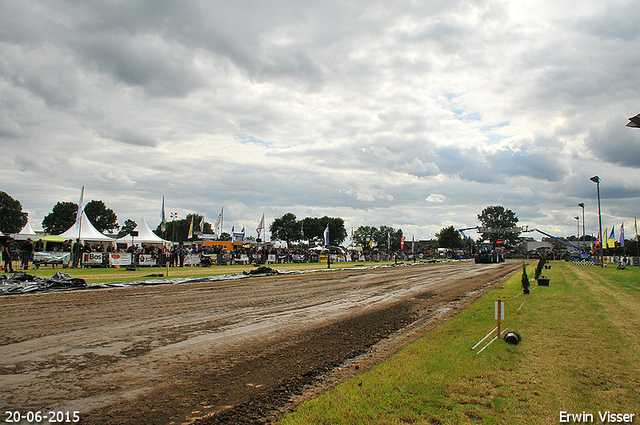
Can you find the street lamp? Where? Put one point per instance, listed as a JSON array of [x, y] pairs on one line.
[[578, 228], [173, 215], [596, 180], [581, 205]]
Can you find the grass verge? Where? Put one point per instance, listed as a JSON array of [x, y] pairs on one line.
[[111, 274], [579, 353]]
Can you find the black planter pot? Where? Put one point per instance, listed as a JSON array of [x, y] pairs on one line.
[[543, 282], [525, 291]]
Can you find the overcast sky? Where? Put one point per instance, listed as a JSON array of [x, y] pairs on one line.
[[410, 114]]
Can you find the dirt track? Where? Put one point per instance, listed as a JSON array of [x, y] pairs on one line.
[[243, 351]]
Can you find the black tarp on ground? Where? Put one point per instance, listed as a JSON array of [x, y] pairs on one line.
[[22, 283]]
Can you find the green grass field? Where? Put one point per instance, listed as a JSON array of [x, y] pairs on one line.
[[110, 275], [579, 353]]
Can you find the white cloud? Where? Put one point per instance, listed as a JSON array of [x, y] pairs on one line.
[[436, 197]]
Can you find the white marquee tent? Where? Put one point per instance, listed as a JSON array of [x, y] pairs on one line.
[[145, 235], [89, 233], [27, 232]]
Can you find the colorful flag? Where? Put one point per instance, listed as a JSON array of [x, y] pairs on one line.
[[605, 242], [402, 242], [261, 226], [621, 240], [80, 207], [371, 239], [635, 224], [190, 234], [202, 224], [163, 218], [218, 222], [612, 238], [302, 228], [237, 236], [326, 235]]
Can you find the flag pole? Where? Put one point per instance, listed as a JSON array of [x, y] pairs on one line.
[[635, 222], [79, 215]]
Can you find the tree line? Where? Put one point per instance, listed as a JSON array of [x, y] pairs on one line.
[[287, 228]]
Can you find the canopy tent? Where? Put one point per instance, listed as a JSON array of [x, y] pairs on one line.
[[52, 238], [89, 233], [280, 244], [145, 235], [26, 232]]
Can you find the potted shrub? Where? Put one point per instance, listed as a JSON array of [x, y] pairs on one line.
[[525, 279], [539, 267], [542, 281]]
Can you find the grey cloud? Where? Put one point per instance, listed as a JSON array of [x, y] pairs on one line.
[[617, 21], [494, 166], [541, 165], [157, 65], [128, 136], [468, 164], [615, 143]]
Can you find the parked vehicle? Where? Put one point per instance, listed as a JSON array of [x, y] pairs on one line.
[[490, 253]]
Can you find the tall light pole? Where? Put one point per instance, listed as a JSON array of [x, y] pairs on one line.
[[578, 226], [581, 205], [174, 215], [596, 180]]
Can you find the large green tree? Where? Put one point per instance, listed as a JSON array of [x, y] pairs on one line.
[[384, 237], [387, 238], [12, 219], [102, 218], [499, 224], [286, 228], [449, 237], [314, 229], [127, 227], [61, 218], [363, 235]]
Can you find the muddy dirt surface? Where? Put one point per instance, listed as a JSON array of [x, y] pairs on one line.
[[234, 352]]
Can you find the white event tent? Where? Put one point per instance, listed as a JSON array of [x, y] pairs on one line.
[[89, 233], [26, 232], [145, 235]]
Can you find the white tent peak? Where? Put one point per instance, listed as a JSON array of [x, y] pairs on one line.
[[27, 230], [89, 233], [145, 235]]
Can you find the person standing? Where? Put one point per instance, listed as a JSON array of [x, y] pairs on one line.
[[181, 254], [27, 253], [6, 255], [76, 251]]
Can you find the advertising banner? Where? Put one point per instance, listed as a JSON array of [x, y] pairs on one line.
[[117, 259], [192, 260], [51, 257], [92, 259], [146, 260]]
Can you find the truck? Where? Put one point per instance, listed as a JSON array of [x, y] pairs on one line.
[[491, 253]]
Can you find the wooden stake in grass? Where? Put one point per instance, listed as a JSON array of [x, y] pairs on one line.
[[499, 314]]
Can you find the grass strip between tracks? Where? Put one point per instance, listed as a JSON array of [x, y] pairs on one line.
[[579, 354], [111, 274]]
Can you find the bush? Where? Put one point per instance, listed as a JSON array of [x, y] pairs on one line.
[[525, 278], [539, 267]]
